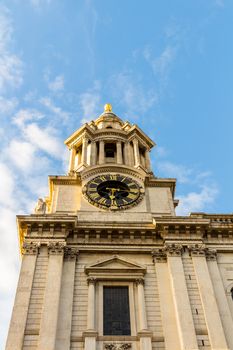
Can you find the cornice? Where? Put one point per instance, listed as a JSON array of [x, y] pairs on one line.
[[161, 182], [112, 168]]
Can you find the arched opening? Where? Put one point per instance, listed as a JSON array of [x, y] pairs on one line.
[[231, 293]]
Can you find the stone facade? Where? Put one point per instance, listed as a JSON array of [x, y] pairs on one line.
[[178, 270]]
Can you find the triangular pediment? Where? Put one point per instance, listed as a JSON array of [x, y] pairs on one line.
[[114, 264]]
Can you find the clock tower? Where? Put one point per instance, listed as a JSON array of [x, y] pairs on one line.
[[107, 264]]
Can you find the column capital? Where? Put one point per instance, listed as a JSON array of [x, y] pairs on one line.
[[91, 280], [196, 250], [70, 253], [174, 249], [159, 255], [56, 248], [30, 248], [140, 281], [113, 346], [211, 254]]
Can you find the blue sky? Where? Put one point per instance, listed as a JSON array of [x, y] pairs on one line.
[[164, 65]]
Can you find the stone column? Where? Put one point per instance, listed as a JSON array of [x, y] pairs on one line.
[[147, 157], [208, 299], [49, 317], [126, 153], [22, 298], [119, 152], [136, 152], [66, 300], [93, 153], [169, 322], [221, 298], [84, 150], [144, 334], [101, 152], [181, 301], [91, 334], [72, 159]]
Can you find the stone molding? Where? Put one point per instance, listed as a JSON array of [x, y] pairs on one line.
[[56, 248], [70, 253], [174, 249], [159, 255], [91, 172], [30, 248], [114, 346]]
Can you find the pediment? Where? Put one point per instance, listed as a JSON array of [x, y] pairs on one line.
[[115, 264]]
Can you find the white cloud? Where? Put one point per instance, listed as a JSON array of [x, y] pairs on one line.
[[196, 201], [89, 102], [132, 95], [162, 63], [25, 115], [22, 154], [10, 64], [47, 102], [219, 3], [6, 185], [38, 3], [205, 190], [57, 84], [44, 139], [7, 106], [181, 172]]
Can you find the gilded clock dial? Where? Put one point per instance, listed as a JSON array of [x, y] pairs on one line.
[[113, 190]]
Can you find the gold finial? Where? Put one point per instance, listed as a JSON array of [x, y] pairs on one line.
[[108, 107]]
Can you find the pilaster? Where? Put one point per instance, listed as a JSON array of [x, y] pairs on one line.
[[19, 315], [91, 334], [180, 298], [144, 334], [169, 322], [49, 317], [208, 299], [66, 299]]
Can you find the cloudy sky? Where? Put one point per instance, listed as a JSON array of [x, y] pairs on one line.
[[164, 65]]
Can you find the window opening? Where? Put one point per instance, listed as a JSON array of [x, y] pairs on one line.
[[116, 311], [110, 150], [232, 293]]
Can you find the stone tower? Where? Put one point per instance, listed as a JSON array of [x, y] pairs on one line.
[[107, 264]]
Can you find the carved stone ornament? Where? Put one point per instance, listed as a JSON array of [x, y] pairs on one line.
[[174, 249], [211, 254], [112, 346], [196, 250], [139, 281], [159, 255], [91, 280], [70, 253], [30, 248], [40, 207], [56, 247]]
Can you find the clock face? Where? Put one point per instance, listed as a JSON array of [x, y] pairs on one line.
[[113, 191]]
